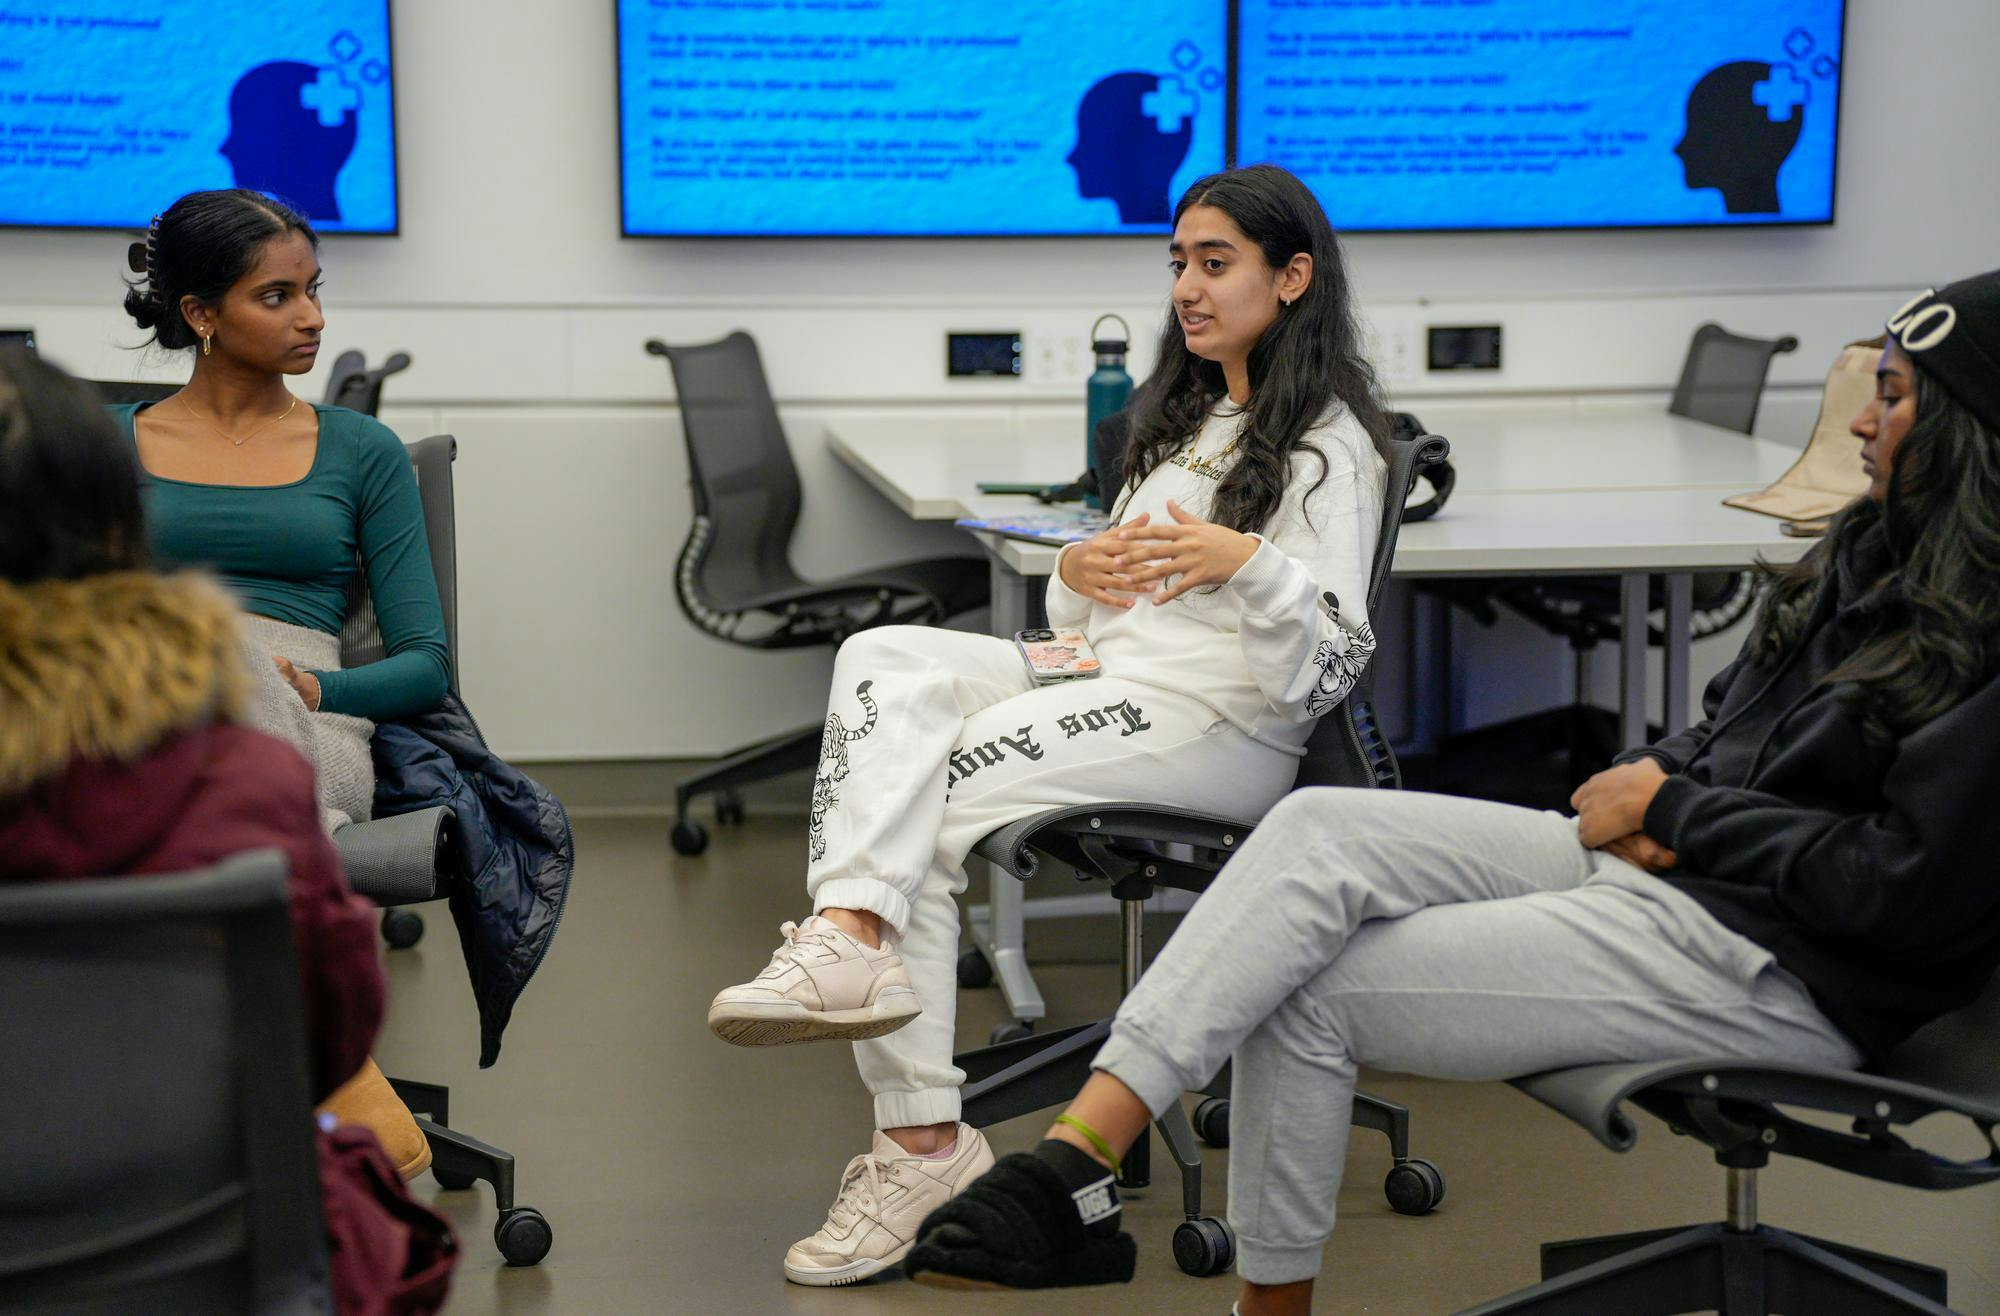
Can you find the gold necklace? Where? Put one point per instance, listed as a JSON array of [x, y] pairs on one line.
[[211, 423]]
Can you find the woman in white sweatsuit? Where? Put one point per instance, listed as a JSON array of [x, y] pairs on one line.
[[1220, 647]]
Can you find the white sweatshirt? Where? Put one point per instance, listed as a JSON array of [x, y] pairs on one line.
[[1268, 651]]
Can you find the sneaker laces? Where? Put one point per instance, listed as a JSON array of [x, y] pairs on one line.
[[799, 944], [860, 1189]]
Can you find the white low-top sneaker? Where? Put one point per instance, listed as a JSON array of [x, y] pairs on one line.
[[821, 985], [884, 1196]]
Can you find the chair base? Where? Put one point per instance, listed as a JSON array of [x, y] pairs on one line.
[[458, 1159], [1749, 1272], [791, 752], [1018, 1078]]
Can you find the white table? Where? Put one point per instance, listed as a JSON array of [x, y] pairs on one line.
[[931, 471], [1631, 492]]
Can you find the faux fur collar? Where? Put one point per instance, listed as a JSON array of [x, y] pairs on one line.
[[109, 666]]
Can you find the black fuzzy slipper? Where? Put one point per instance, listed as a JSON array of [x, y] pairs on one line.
[[1017, 1227]]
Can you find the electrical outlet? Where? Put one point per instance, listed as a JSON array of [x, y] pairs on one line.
[[1392, 350], [1059, 358]]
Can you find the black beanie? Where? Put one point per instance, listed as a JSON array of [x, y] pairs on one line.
[[1953, 334]]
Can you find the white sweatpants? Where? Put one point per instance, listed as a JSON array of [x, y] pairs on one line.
[[936, 738]]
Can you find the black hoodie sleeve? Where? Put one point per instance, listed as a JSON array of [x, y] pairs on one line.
[[1913, 881], [1674, 752]]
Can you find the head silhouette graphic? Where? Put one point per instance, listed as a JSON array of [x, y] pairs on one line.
[[291, 129], [1132, 133], [1743, 119]]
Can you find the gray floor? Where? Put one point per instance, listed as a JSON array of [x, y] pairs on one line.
[[675, 1170]]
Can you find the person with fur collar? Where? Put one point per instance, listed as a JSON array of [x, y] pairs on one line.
[[123, 752]]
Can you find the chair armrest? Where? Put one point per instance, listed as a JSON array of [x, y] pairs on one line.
[[1112, 841], [397, 860]]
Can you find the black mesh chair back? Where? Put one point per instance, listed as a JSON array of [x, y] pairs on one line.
[[1722, 380], [156, 1127], [746, 489], [1347, 747], [117, 392], [360, 632], [353, 385]]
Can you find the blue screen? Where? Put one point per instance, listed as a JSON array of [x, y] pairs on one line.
[[913, 117], [1463, 114], [110, 109]]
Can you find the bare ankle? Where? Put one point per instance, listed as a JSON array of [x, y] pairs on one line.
[[924, 1139], [863, 925], [1276, 1299], [1064, 1133]]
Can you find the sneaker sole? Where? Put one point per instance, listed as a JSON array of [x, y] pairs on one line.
[[784, 1023], [852, 1273]]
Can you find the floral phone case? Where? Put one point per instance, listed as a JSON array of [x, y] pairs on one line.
[[1057, 655]]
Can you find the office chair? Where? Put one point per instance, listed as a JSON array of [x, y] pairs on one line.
[[407, 858], [1138, 848], [117, 392], [734, 578], [157, 1128], [1739, 1109], [353, 385], [1721, 384]]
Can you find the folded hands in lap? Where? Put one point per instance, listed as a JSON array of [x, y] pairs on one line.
[[1611, 814]]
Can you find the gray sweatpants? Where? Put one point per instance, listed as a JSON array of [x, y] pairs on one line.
[[1429, 935]]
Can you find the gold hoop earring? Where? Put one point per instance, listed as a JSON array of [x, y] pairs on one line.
[[207, 341]]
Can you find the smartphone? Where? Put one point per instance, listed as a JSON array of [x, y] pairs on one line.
[[1057, 655], [1009, 487]]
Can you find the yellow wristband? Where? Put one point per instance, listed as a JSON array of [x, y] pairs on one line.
[[1094, 1138]]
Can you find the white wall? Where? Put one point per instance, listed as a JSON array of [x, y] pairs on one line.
[[525, 313]]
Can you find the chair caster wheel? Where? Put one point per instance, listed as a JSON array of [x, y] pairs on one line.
[[1414, 1188], [729, 809], [452, 1180], [1204, 1246], [1211, 1121], [974, 970], [402, 928], [523, 1236], [1010, 1032], [688, 837]]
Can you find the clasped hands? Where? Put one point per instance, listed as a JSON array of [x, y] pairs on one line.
[[1611, 814], [1136, 558]]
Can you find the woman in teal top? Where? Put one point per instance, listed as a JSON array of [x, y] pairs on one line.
[[283, 501]]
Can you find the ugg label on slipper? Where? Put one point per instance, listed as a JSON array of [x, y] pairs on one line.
[[1095, 1202]]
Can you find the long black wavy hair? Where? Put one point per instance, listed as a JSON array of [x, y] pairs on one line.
[[1308, 359], [1939, 597]]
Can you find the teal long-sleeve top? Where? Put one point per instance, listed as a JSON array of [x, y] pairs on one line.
[[289, 552]]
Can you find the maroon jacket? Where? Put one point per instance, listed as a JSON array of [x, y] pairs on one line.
[[200, 796], [118, 756]]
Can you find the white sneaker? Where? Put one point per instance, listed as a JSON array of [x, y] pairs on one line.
[[884, 1196], [821, 985]]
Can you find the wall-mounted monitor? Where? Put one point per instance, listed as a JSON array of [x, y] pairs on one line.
[[1523, 114], [109, 109], [910, 117]]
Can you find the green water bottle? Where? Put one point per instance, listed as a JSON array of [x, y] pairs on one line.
[[1106, 393]]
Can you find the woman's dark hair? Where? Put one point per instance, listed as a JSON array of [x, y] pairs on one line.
[[1308, 359], [1938, 600], [200, 247], [69, 481]]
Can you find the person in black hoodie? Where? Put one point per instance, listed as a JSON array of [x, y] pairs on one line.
[[1806, 875]]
